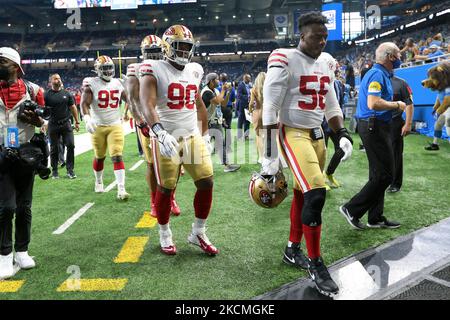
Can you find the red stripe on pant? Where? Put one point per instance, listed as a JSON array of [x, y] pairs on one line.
[[312, 237], [203, 203], [296, 232], [98, 164], [162, 204], [119, 165]]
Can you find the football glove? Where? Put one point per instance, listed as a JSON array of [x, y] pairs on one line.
[[168, 145], [91, 126], [207, 140], [270, 167], [345, 143], [144, 129]]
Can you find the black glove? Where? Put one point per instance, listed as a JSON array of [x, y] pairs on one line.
[[343, 133]]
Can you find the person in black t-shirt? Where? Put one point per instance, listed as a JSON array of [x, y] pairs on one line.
[[62, 106]]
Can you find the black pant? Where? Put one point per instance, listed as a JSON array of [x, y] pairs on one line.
[[397, 145], [227, 119], [242, 122], [381, 165], [55, 131], [16, 194]]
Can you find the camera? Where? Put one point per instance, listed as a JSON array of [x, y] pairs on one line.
[[29, 105], [34, 155]]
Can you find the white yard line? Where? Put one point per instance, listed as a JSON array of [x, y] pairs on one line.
[[73, 218], [111, 186], [137, 165]]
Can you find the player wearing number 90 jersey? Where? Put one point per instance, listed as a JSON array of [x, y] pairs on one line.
[[100, 103], [172, 107], [298, 92]]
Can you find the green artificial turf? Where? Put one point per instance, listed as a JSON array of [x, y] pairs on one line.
[[251, 240]]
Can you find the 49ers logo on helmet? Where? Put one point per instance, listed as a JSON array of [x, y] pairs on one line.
[[265, 197]]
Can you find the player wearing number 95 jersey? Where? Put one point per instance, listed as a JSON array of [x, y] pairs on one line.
[[172, 107], [298, 92], [100, 103]]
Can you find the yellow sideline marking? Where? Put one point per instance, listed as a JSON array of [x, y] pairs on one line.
[[147, 221], [132, 250], [72, 285], [11, 286]]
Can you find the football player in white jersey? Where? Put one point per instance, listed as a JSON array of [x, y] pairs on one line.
[[100, 103], [298, 92], [169, 92], [151, 48]]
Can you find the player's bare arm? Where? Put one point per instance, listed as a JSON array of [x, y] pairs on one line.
[[202, 115], [148, 94], [132, 86], [86, 100]]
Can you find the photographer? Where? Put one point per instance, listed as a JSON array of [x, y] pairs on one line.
[[62, 107], [18, 99]]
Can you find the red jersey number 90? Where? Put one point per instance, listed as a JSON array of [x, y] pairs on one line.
[[316, 97], [180, 96]]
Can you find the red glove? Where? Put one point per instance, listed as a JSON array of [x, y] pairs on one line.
[[145, 129]]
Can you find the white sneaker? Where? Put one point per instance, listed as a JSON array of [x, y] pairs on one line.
[[122, 194], [199, 238], [24, 260], [167, 245], [99, 188], [6, 266]]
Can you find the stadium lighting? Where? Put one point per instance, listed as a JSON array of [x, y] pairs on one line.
[[182, 19], [349, 43], [239, 52], [402, 27], [155, 21], [31, 25], [48, 24], [9, 24], [217, 17], [442, 12], [96, 22], [199, 18], [387, 33], [133, 21], [249, 15], [166, 19], [431, 16], [114, 21], [204, 54], [234, 17], [415, 22]]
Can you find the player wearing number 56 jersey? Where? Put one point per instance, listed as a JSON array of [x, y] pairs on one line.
[[169, 92], [298, 92], [100, 103]]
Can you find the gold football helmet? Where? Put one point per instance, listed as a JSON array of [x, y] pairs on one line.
[[178, 44], [104, 66], [268, 191], [151, 48]]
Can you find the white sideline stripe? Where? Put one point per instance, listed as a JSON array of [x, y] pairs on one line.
[[137, 165], [111, 186], [73, 218]]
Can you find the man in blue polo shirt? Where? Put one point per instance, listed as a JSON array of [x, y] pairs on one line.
[[374, 113]]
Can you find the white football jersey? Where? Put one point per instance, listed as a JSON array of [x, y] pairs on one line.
[[300, 89], [133, 69], [177, 94], [105, 107]]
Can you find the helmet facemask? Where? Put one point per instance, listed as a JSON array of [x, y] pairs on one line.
[[154, 53], [180, 55], [106, 71]]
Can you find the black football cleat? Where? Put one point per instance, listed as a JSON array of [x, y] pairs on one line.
[[432, 147], [294, 256], [321, 277]]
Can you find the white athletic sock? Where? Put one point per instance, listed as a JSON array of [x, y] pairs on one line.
[[199, 224], [164, 227], [290, 244], [98, 176], [120, 178]]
